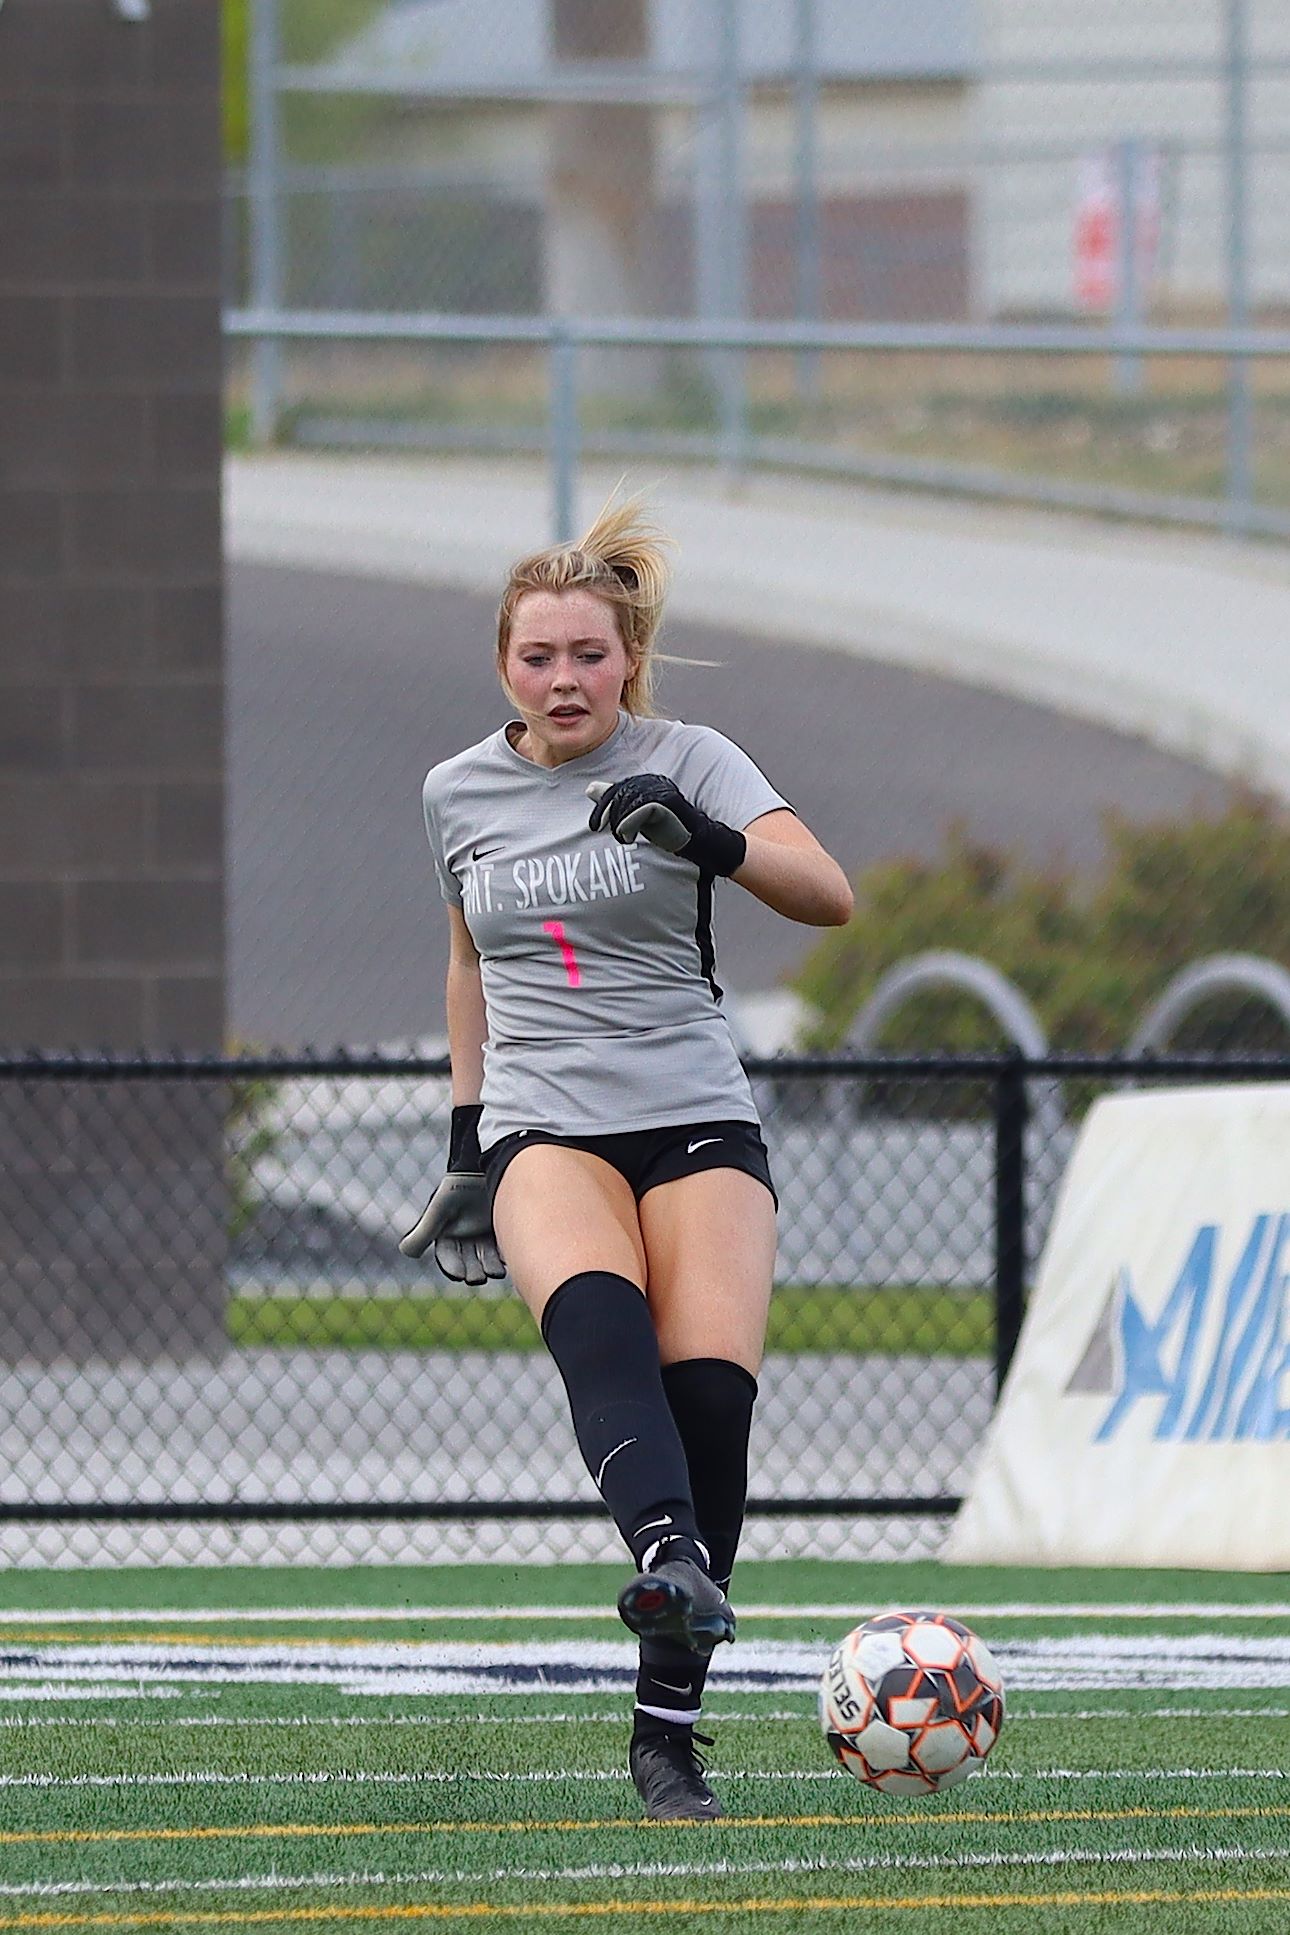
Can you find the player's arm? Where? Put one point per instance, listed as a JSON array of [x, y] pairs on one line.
[[786, 867], [457, 1221], [467, 1019]]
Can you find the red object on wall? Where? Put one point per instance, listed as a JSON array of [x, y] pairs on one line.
[[1098, 216], [1097, 235]]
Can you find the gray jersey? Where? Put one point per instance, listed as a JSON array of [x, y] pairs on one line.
[[599, 974]]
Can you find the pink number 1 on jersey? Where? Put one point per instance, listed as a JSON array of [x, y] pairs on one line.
[[555, 928]]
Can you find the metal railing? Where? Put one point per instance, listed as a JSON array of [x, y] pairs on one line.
[[737, 448]]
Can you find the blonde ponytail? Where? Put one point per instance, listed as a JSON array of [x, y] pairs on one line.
[[622, 559]]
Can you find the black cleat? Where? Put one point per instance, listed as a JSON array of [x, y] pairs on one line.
[[677, 1601], [669, 1778]]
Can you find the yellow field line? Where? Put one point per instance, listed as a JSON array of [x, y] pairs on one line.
[[783, 1905], [302, 1830]]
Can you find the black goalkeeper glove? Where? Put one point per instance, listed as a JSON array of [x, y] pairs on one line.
[[458, 1219], [652, 805]]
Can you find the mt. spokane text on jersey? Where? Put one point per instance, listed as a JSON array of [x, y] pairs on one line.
[[555, 879]]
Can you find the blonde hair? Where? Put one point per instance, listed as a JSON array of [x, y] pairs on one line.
[[622, 559]]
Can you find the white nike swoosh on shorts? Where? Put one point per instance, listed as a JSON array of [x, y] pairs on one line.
[[690, 1147]]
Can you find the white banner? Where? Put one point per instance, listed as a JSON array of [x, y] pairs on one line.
[[1146, 1417]]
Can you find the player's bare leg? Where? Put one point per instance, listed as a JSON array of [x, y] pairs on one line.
[[710, 1257], [559, 1212]]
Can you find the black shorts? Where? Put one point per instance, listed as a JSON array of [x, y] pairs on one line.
[[647, 1157]]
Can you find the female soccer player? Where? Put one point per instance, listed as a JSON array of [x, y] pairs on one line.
[[604, 1135]]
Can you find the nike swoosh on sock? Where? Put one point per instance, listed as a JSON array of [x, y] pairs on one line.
[[612, 1454]]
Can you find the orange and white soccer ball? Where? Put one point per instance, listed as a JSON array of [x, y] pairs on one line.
[[911, 1702]]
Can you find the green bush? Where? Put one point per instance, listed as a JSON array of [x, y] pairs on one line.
[[1091, 958]]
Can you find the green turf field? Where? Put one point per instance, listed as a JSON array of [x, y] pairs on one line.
[[222, 1747], [888, 1321]]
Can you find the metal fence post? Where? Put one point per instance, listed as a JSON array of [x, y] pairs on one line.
[[806, 103], [563, 443], [264, 183], [733, 236], [1240, 425], [1011, 1110], [1129, 164]]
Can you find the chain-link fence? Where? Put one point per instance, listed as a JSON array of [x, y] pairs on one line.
[[211, 1346], [813, 161]]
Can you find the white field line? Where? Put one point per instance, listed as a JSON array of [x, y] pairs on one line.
[[803, 1712], [374, 1668], [1065, 1713], [652, 1870], [359, 1615], [441, 1777], [62, 1690]]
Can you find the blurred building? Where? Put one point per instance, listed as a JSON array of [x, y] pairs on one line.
[[893, 161], [892, 100]]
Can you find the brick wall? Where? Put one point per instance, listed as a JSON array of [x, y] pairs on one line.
[[111, 678], [112, 1201]]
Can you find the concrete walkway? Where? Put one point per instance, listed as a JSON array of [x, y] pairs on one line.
[[1182, 638]]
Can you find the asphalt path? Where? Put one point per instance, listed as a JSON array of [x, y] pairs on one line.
[[342, 690]]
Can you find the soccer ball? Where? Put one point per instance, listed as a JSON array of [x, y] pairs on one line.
[[911, 1702]]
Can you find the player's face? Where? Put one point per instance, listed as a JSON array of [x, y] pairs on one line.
[[565, 665]]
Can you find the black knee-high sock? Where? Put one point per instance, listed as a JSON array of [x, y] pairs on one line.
[[712, 1402], [597, 1327]]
